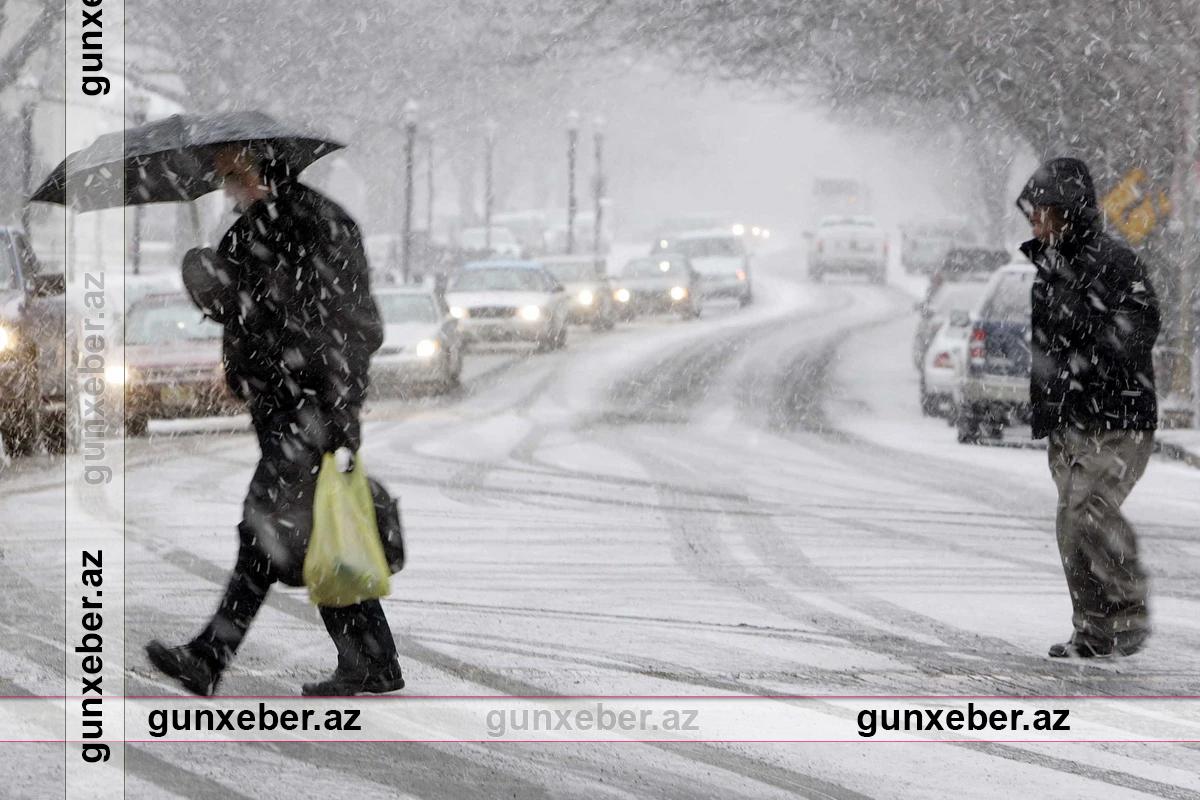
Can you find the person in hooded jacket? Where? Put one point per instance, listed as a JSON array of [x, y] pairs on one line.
[[289, 284], [1095, 320]]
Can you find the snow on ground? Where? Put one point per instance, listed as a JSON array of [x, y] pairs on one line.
[[749, 503]]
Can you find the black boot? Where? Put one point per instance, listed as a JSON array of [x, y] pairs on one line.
[[347, 682], [182, 664], [1079, 647]]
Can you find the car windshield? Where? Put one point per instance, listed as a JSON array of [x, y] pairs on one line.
[[1009, 301], [176, 323], [652, 268], [476, 238], [957, 296], [498, 280], [585, 271], [715, 246], [398, 309]]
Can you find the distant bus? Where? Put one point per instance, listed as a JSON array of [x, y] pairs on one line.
[[840, 196]]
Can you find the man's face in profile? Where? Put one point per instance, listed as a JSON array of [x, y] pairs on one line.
[[238, 175], [1048, 224]]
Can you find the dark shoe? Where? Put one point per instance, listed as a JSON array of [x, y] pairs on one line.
[[183, 665], [1081, 648], [1130, 642], [345, 683]]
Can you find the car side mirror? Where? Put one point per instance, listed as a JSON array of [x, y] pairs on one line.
[[959, 319]]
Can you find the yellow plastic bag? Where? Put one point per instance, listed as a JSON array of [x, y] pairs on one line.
[[345, 563]]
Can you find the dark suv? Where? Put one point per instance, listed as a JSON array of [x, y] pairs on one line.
[[995, 388]]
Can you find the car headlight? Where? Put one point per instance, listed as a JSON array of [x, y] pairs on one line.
[[586, 298], [428, 348], [458, 312], [678, 292], [622, 295], [531, 313], [116, 374], [766, 233], [739, 229], [7, 339]]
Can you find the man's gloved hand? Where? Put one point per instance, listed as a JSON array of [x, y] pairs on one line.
[[343, 459]]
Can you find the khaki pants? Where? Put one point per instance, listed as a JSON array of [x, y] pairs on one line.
[[1094, 473]]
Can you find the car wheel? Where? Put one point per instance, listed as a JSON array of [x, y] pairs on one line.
[[136, 426], [929, 402], [21, 429], [745, 300], [560, 339], [966, 422]]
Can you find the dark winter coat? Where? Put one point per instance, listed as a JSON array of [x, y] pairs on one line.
[[290, 284], [1095, 316]]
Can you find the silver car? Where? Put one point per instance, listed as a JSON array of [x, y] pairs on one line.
[[509, 301], [585, 280], [421, 343]]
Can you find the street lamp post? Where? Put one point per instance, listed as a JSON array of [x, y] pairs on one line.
[[429, 164], [30, 92], [489, 189], [139, 106], [572, 145], [410, 139], [598, 187]]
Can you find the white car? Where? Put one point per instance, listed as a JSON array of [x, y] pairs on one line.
[[503, 301], [719, 257], [501, 243], [849, 244], [421, 343], [944, 365]]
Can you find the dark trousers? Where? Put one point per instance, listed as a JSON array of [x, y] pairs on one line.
[[1094, 473], [277, 520]]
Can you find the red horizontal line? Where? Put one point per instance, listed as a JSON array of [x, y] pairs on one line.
[[597, 741]]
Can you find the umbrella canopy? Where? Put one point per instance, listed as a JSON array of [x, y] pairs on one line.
[[170, 160]]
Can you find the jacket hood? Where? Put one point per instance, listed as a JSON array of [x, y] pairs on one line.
[[1063, 183]]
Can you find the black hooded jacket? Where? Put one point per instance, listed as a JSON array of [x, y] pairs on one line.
[[290, 284], [1095, 315]]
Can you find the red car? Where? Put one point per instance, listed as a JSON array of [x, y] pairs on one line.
[[172, 363]]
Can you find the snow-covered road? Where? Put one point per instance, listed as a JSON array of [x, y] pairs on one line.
[[751, 503]]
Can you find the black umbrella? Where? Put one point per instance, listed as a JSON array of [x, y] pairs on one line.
[[170, 160]]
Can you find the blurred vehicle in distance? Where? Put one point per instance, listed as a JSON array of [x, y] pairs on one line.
[[502, 245], [506, 300], [586, 281], [528, 227], [969, 263], [923, 245], [34, 349], [172, 366], [994, 391], [937, 307], [719, 257], [421, 347], [841, 196], [944, 365], [659, 283], [851, 245]]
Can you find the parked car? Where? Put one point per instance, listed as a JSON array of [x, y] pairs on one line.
[[937, 308], [586, 281], [501, 301], [173, 367], [854, 245], [501, 243], [661, 283], [719, 257], [995, 388], [421, 343], [944, 364], [34, 349], [924, 245]]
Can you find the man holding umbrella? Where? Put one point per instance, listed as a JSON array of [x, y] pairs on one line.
[[289, 284]]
